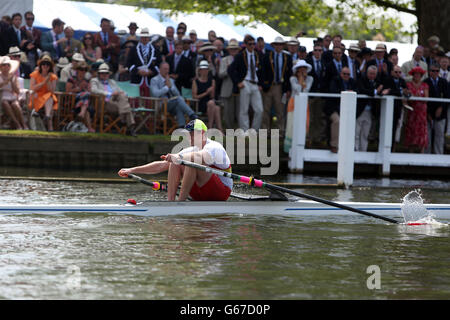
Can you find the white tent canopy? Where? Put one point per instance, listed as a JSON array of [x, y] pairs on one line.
[[86, 16]]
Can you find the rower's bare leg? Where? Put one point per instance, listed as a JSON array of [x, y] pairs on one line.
[[190, 176], [173, 180]]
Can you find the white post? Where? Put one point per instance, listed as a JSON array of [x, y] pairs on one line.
[[346, 151], [298, 133], [385, 136]]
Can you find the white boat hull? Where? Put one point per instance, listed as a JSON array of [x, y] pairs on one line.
[[163, 208]]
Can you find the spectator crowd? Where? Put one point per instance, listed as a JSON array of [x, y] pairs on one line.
[[247, 85]]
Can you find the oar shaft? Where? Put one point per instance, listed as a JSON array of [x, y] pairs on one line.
[[154, 185], [259, 183]]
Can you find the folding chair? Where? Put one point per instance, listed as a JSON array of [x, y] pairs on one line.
[[66, 102]]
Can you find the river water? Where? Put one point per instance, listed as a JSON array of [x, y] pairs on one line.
[[102, 256]]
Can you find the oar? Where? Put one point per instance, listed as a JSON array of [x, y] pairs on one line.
[[261, 184]]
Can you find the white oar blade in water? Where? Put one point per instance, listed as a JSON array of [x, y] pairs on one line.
[[414, 211]]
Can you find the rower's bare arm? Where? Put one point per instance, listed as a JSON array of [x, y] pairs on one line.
[[150, 168]]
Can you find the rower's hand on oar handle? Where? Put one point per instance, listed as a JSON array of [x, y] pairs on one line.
[[172, 157], [124, 172]]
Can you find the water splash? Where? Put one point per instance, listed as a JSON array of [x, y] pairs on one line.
[[414, 211]]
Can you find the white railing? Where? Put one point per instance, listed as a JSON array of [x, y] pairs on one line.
[[346, 156]]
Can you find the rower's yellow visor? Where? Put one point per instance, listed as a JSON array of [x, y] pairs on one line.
[[196, 124]]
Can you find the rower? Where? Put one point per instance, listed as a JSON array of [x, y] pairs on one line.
[[199, 185]]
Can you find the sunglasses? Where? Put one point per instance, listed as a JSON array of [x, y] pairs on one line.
[[318, 50], [29, 19], [397, 72], [434, 70], [251, 43], [346, 74], [88, 38]]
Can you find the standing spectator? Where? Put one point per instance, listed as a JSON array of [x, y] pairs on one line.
[[362, 44], [415, 62], [384, 66], [260, 46], [299, 82], [79, 85], [433, 42], [43, 85], [123, 73], [169, 42], [109, 43], [245, 72], [90, 52], [181, 70], [292, 48], [367, 108], [416, 131], [212, 36], [116, 100], [364, 57], [193, 36], [328, 56], [230, 100], [326, 43], [437, 111], [302, 53], [352, 62], [397, 87], [132, 36], [188, 53], [334, 67], [71, 45], [34, 37], [9, 84], [52, 40], [316, 104], [206, 53], [20, 35], [276, 72], [7, 37], [343, 82], [142, 62], [444, 71], [162, 86], [180, 33], [203, 89]]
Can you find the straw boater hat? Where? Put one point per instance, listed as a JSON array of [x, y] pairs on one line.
[[301, 64], [78, 57], [46, 58], [193, 32], [14, 51], [104, 68], [145, 33], [417, 70], [207, 46], [354, 47], [293, 41], [380, 47], [186, 39], [13, 63], [233, 44], [278, 40], [62, 62], [203, 64]]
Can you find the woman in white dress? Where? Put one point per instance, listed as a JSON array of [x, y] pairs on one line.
[[300, 82]]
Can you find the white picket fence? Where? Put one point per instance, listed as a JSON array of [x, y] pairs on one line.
[[346, 156]]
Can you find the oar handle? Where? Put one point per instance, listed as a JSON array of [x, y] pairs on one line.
[[155, 185]]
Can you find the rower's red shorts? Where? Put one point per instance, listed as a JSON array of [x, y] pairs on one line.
[[213, 190]]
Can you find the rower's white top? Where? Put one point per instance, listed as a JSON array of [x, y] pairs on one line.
[[219, 158]]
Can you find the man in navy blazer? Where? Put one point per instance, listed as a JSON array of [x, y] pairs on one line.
[[51, 41]]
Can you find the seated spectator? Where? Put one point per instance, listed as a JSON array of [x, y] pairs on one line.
[[90, 52], [416, 131], [437, 111], [9, 84], [180, 67], [116, 101], [69, 71], [71, 45], [24, 69], [61, 64], [230, 101], [162, 86], [343, 82], [299, 82], [79, 85], [43, 85], [203, 89], [367, 108], [415, 62]]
